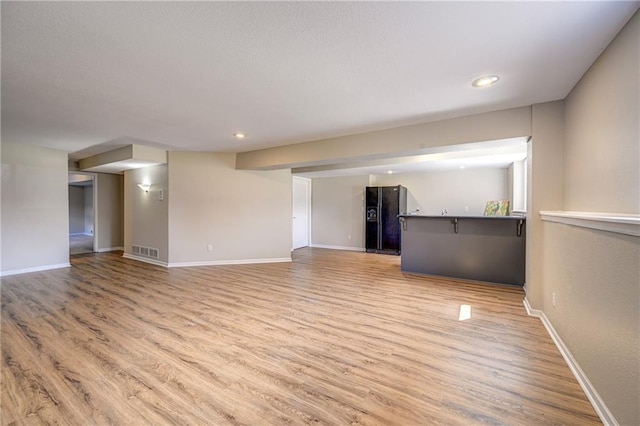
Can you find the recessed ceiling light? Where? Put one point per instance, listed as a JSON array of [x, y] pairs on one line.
[[485, 81], [462, 166], [389, 171], [239, 135]]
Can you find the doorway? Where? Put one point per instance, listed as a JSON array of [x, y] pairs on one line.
[[301, 212], [82, 238]]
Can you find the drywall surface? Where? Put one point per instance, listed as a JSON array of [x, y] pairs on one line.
[[596, 278], [421, 138], [596, 274], [35, 208], [459, 192], [602, 130], [337, 212], [88, 209], [243, 215], [110, 211], [544, 190], [76, 209], [146, 218]]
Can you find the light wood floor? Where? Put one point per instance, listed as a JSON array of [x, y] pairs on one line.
[[338, 338], [80, 244]]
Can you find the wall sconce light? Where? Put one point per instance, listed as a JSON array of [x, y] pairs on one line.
[[144, 186]]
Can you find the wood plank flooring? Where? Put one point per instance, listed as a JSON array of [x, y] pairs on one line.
[[335, 338], [80, 244]]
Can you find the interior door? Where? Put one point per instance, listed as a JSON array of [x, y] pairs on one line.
[[301, 211]]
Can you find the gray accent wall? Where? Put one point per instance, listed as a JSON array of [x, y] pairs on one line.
[[76, 209], [88, 209], [596, 274]]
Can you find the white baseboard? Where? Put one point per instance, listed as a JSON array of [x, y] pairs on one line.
[[592, 394], [103, 250], [144, 259], [34, 269], [228, 262], [88, 234], [337, 247], [206, 262]]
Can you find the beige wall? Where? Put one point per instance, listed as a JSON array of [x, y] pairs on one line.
[[244, 215], [596, 274], [337, 215], [451, 190], [602, 131], [337, 202], [146, 218], [110, 215], [35, 208], [544, 190]]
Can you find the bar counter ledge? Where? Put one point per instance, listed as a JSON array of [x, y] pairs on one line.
[[479, 248]]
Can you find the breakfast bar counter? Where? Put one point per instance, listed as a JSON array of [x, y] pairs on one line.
[[482, 248]]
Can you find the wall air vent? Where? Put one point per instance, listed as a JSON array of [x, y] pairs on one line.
[[145, 251]]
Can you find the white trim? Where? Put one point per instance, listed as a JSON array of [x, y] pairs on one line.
[[103, 250], [34, 269], [337, 247], [96, 208], [628, 224], [228, 262], [145, 259], [530, 311], [94, 187], [75, 234], [206, 262], [592, 394]]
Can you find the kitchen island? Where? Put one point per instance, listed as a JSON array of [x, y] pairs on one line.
[[482, 248]]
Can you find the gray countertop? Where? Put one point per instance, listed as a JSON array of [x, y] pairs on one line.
[[460, 217]]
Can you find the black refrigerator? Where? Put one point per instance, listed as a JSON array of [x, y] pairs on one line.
[[383, 205]]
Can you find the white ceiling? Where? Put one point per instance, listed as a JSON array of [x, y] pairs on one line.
[[89, 76]]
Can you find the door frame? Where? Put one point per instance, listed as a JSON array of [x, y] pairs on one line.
[[94, 180], [307, 182]]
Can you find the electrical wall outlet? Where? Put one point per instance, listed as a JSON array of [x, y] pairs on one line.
[[209, 247], [554, 300]]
